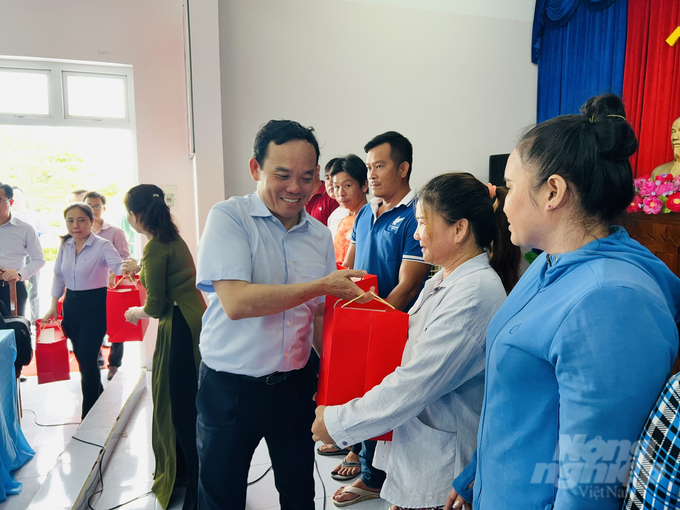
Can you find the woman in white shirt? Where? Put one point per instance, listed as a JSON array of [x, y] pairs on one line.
[[433, 400]]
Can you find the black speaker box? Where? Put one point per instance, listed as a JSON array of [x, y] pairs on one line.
[[497, 169]]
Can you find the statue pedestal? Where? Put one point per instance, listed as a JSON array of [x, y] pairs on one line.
[[658, 232], [661, 234]]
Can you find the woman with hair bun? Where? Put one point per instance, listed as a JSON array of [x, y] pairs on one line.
[[434, 399], [169, 277], [578, 353]]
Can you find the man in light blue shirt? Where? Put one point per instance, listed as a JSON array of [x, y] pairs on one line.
[[266, 265]]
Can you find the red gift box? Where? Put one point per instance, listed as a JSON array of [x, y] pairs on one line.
[[124, 295], [362, 344], [51, 352]]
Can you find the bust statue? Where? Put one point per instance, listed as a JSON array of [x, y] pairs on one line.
[[672, 167]]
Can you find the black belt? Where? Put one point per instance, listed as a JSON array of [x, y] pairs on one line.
[[269, 380]]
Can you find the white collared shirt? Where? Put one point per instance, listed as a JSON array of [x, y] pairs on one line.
[[17, 240], [242, 240], [434, 399]]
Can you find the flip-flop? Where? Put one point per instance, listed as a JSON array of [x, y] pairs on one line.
[[364, 495], [343, 478], [338, 451]]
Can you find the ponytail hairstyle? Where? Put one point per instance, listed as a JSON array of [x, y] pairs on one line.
[[147, 201], [455, 196], [590, 152], [83, 207]]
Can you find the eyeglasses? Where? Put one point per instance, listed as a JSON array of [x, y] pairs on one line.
[[5, 201], [97, 207]]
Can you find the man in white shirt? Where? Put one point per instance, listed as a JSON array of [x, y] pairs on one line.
[[265, 264], [18, 239]]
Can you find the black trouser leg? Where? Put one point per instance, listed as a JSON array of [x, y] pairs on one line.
[[229, 427], [22, 296], [183, 388], [289, 440], [116, 354], [85, 324]]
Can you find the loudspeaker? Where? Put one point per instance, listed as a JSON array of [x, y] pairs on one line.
[[497, 169]]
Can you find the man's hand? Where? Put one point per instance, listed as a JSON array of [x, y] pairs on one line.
[[455, 501], [319, 432], [340, 285], [10, 275]]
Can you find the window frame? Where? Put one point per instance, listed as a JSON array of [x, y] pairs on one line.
[[122, 77], [46, 72]]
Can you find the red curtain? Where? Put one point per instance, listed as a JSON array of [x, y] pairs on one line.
[[651, 82]]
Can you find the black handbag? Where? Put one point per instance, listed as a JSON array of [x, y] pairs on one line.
[[22, 330]]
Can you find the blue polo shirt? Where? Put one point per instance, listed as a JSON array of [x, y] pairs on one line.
[[382, 243]]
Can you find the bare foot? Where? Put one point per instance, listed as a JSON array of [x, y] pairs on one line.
[[348, 471], [340, 495], [330, 449]]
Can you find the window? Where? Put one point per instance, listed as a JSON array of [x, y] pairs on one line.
[[95, 96], [25, 92]]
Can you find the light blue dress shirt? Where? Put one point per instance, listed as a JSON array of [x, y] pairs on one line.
[[89, 269], [18, 239], [433, 400], [242, 240]]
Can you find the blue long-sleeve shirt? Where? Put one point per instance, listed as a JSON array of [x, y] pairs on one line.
[[576, 357]]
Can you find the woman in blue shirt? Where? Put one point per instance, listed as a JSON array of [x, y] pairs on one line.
[[82, 268], [579, 351]]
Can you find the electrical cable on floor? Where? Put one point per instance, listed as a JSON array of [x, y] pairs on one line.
[[263, 475], [48, 425], [323, 485]]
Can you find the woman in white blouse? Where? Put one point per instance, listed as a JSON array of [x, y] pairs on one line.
[[433, 400], [82, 269]]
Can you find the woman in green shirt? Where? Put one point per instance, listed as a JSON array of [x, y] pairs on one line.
[[169, 277]]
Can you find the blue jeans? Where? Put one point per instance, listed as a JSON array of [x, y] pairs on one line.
[[371, 476]]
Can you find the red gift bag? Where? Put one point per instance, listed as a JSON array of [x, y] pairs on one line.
[[362, 344], [125, 294], [51, 352]]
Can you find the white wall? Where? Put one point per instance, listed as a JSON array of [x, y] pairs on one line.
[[144, 33], [148, 34], [460, 87]]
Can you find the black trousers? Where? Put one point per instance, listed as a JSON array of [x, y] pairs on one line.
[[116, 354], [234, 414], [85, 324], [22, 296], [183, 386]]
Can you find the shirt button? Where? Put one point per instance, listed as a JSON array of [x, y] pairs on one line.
[[285, 355], [344, 443], [290, 263], [288, 323]]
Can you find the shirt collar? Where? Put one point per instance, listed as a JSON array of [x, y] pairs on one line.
[[88, 241], [321, 190], [476, 263], [104, 226], [12, 219], [257, 208], [407, 201]]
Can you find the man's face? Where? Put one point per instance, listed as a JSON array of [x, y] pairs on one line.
[[285, 181], [98, 207], [5, 204], [384, 177], [675, 135]]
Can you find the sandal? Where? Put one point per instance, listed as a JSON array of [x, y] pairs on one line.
[[338, 451], [335, 474], [364, 495]]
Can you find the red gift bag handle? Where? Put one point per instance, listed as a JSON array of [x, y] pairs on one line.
[[375, 297], [123, 278], [58, 324]]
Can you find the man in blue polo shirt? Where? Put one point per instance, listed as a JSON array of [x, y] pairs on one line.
[[383, 244], [266, 265]]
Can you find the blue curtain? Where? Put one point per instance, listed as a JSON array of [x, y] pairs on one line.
[[580, 49]]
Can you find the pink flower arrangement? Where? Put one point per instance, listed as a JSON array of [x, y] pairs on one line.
[[652, 205], [653, 196]]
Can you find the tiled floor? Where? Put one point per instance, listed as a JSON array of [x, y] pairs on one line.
[[130, 471]]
